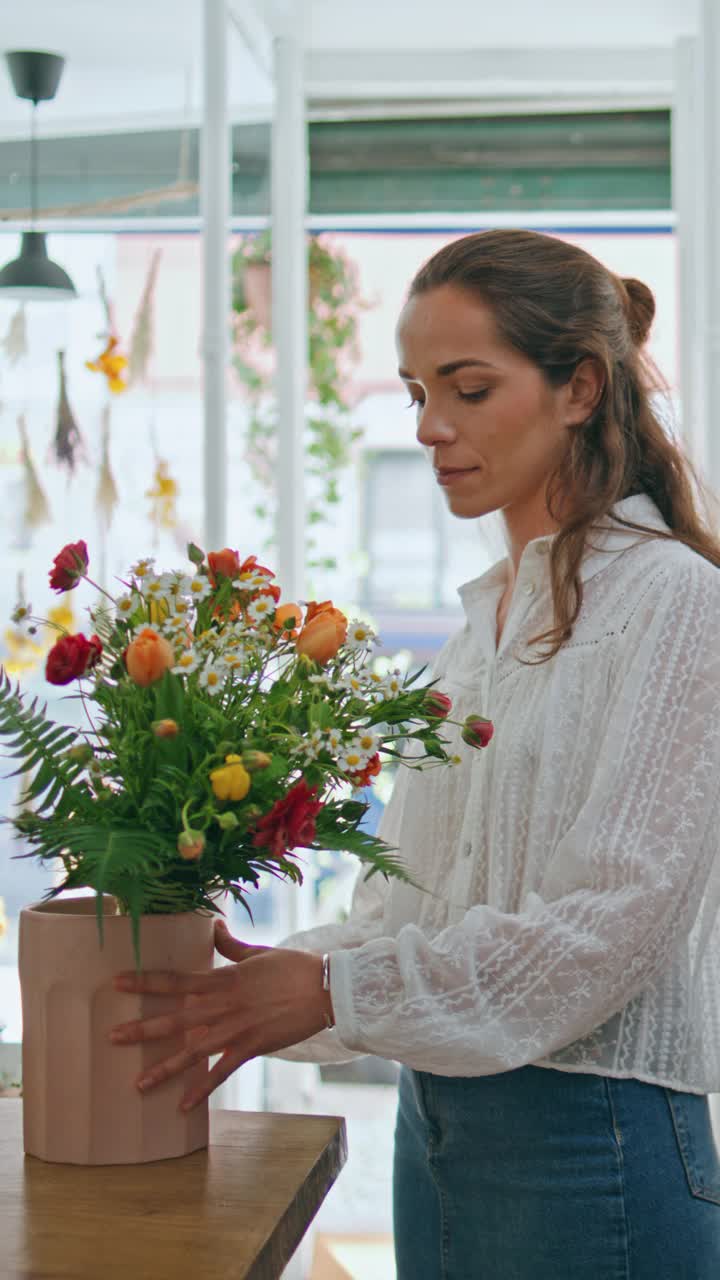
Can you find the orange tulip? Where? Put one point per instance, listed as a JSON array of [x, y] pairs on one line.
[[283, 614], [226, 562], [148, 657], [324, 631]]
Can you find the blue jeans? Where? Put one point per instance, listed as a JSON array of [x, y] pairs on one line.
[[537, 1174]]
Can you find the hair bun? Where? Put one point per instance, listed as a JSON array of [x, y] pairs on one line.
[[640, 309]]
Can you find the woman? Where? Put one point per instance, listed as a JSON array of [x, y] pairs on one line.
[[553, 992]]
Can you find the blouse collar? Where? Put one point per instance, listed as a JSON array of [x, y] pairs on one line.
[[608, 542]]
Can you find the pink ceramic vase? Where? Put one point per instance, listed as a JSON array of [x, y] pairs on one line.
[[80, 1103]]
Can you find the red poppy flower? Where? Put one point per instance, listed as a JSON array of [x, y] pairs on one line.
[[69, 566], [72, 657], [290, 822]]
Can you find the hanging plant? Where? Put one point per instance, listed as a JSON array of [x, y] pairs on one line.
[[106, 494], [163, 496], [67, 442], [334, 303], [141, 342], [37, 508], [15, 343]]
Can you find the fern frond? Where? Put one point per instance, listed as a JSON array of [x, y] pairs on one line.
[[41, 744]]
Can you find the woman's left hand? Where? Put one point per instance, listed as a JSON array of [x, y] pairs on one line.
[[270, 998]]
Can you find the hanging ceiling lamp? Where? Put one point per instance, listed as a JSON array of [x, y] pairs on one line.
[[33, 276]]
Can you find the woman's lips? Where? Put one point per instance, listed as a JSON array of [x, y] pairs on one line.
[[449, 476]]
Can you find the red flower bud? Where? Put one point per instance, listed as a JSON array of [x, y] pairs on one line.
[[69, 566], [477, 731], [438, 704]]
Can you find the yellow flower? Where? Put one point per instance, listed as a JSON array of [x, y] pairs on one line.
[[231, 781], [3, 918], [112, 365]]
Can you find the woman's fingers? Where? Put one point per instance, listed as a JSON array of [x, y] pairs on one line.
[[215, 1041], [230, 1061], [169, 1024], [161, 983]]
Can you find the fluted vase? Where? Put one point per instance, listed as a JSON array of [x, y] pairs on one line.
[[80, 1101]]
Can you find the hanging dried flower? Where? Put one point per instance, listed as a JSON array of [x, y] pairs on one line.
[[163, 495], [37, 508], [112, 365], [67, 442], [106, 494], [15, 343], [141, 343]]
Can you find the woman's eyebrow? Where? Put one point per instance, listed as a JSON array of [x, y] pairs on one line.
[[444, 370]]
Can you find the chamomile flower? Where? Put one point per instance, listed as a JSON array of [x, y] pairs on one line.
[[323, 679], [198, 588], [262, 607], [187, 662], [393, 683], [352, 760], [250, 582], [352, 684], [314, 744], [334, 741], [366, 741], [360, 636], [172, 584], [153, 587], [212, 677], [127, 604], [143, 568], [180, 607]]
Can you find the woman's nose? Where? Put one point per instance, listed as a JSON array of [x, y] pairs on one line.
[[433, 428]]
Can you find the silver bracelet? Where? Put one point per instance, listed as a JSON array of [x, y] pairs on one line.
[[329, 1022]]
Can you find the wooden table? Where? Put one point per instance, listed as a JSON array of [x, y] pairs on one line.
[[234, 1212]]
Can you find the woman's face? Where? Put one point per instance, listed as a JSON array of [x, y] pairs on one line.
[[485, 413]]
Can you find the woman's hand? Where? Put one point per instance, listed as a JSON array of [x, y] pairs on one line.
[[268, 999]]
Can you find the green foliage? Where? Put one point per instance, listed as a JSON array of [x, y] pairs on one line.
[[139, 805], [334, 305]]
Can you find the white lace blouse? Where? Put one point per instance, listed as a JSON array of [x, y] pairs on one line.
[[570, 870]]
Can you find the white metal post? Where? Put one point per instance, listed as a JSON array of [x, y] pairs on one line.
[[290, 335], [689, 205], [709, 97], [215, 186], [289, 299]]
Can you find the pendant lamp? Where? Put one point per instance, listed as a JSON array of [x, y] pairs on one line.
[[33, 276]]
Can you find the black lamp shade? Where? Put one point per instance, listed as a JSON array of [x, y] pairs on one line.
[[33, 276], [35, 75]]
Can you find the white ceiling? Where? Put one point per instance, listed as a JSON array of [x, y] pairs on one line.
[[139, 65]]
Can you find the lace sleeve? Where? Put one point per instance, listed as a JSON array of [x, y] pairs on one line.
[[622, 888], [364, 922]]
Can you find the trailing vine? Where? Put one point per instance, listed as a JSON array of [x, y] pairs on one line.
[[334, 305]]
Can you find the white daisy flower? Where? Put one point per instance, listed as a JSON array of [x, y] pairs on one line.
[[212, 677], [21, 613], [261, 608], [186, 663], [143, 568], [153, 588], [179, 607], [352, 760], [127, 604], [366, 740], [172, 584], [352, 684], [251, 582], [393, 683], [360, 636], [198, 587], [334, 741]]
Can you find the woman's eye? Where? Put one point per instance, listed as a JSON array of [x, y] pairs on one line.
[[474, 396], [414, 402]]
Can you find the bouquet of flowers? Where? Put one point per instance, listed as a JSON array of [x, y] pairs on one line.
[[225, 731]]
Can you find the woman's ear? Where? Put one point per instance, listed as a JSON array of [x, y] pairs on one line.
[[584, 391]]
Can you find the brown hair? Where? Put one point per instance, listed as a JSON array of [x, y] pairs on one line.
[[558, 305]]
